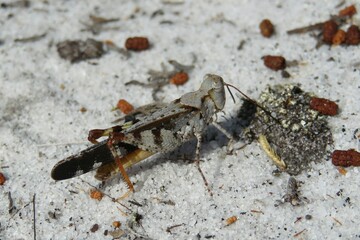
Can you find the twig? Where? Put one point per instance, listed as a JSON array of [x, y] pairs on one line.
[[256, 211], [34, 216], [299, 233], [271, 152], [298, 219], [168, 229], [173, 2], [112, 46], [107, 195], [316, 26], [97, 24], [12, 216], [30, 39], [102, 20], [340, 4], [306, 29], [11, 203], [19, 4], [159, 79], [135, 203], [241, 44], [136, 220], [337, 221], [181, 67]]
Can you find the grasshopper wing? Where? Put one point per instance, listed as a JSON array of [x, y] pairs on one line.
[[158, 132], [87, 160], [99, 155]]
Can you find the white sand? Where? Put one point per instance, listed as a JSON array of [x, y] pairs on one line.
[[41, 123]]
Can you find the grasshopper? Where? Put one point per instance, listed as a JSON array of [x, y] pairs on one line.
[[161, 130]]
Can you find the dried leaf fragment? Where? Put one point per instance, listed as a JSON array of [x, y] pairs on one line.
[[124, 106], [274, 62], [179, 78], [2, 179], [329, 30], [78, 50], [94, 228], [339, 37], [137, 43], [96, 194], [324, 106], [342, 170], [266, 28], [116, 224], [271, 152], [346, 158], [231, 220], [353, 35], [348, 11]]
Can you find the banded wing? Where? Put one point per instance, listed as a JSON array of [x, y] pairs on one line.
[[155, 131], [87, 160], [149, 129], [99, 155]]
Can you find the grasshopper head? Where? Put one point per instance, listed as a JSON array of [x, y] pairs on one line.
[[214, 85]]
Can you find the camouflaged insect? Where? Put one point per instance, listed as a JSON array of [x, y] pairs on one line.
[[148, 130]]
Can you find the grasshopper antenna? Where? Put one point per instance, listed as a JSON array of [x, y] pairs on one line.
[[251, 100], [232, 96]]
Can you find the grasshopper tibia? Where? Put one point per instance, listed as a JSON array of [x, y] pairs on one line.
[[114, 138]]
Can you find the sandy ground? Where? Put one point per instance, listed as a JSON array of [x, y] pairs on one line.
[[41, 122]]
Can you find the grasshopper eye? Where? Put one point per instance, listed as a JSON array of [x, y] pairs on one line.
[[217, 83]]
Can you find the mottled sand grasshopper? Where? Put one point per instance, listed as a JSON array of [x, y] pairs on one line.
[[142, 135]]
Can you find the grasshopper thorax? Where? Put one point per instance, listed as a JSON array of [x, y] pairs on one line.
[[214, 85]]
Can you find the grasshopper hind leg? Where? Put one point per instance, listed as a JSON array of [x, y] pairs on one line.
[[115, 137], [125, 161], [126, 178], [95, 134]]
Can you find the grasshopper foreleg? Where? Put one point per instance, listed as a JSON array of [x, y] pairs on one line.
[[197, 161], [230, 146]]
